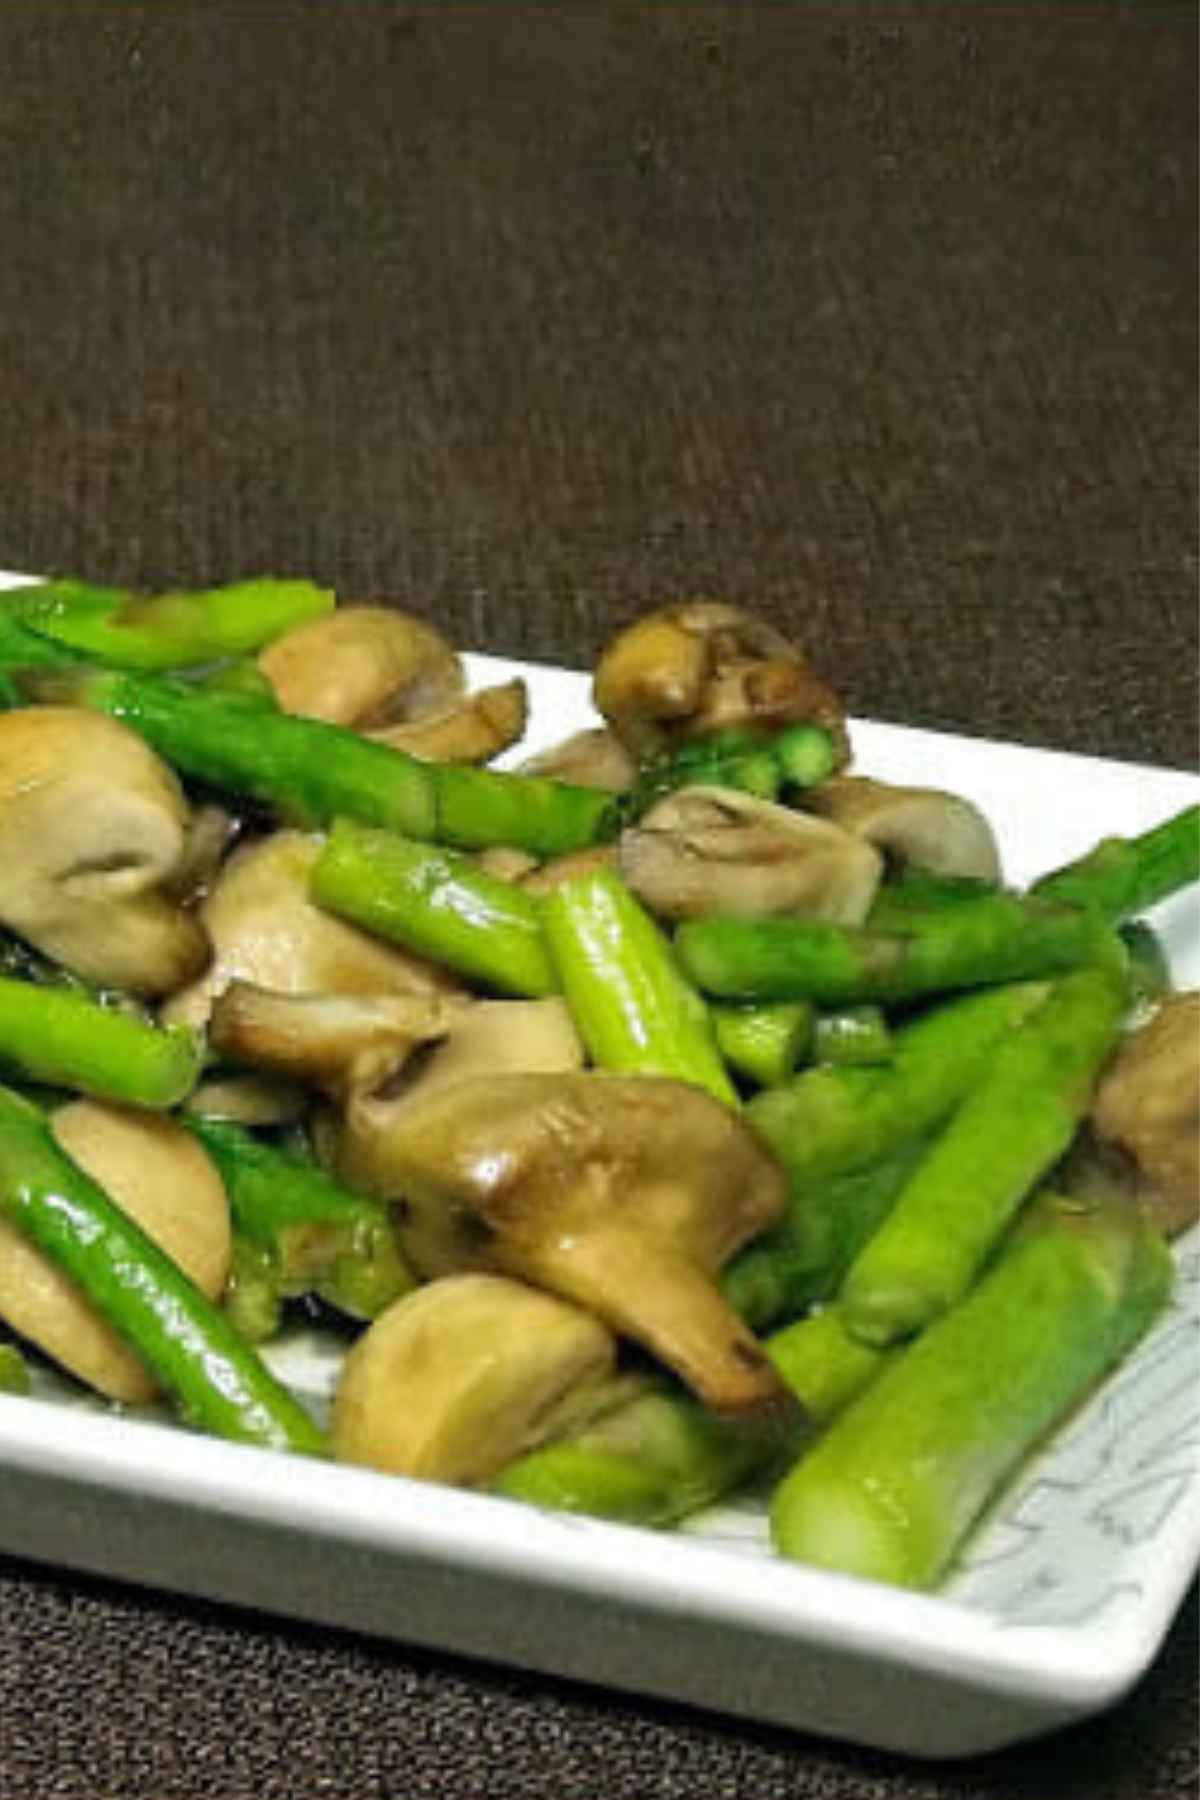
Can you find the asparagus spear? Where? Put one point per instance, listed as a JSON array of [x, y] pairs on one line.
[[217, 1381], [64, 1038], [313, 1235], [799, 757], [893, 1486], [166, 631], [829, 1120], [858, 1035], [823, 1364], [660, 1455], [1123, 876], [766, 1044], [803, 1259], [1007, 1133], [998, 937], [849, 1138], [651, 1461], [436, 903], [311, 773], [633, 1009]]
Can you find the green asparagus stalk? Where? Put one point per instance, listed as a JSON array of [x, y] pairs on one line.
[[216, 1379], [829, 1120], [631, 1006], [437, 904], [661, 1455], [799, 757], [857, 1035], [912, 890], [823, 1365], [316, 1236], [804, 1258], [765, 1044], [1124, 876], [63, 1038], [651, 1461], [166, 631], [996, 938], [892, 1488], [311, 773], [481, 808], [1009, 1130], [850, 1138]]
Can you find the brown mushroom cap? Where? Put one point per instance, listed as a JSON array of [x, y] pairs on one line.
[[340, 1043], [486, 1038], [473, 729], [702, 666], [161, 1177], [362, 666], [625, 1194], [935, 830], [1149, 1103], [92, 826], [460, 1377], [594, 758], [265, 930], [715, 850]]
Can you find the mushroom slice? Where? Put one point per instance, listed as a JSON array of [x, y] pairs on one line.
[[248, 1099], [161, 1177], [484, 1039], [1148, 1103], [549, 875], [472, 730], [92, 825], [341, 1043], [460, 1377], [702, 666], [925, 826], [715, 850], [595, 758], [264, 929], [624, 1194], [362, 666]]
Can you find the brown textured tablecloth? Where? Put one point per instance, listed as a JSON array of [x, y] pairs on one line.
[[882, 321]]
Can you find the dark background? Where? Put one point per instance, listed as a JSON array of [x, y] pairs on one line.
[[881, 320]]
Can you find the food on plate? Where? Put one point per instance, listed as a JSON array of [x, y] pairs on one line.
[[93, 828], [684, 1109]]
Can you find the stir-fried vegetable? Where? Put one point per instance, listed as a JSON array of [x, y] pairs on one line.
[[561, 1094]]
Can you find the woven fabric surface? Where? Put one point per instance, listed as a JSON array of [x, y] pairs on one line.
[[525, 318]]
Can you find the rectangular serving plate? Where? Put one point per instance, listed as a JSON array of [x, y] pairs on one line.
[[1062, 1600]]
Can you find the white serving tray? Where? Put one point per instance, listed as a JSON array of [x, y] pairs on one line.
[[1062, 1600]]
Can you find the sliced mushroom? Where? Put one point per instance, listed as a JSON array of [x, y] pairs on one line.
[[703, 666], [624, 1194], [505, 863], [549, 875], [472, 730], [92, 827], [715, 850], [462, 1376], [594, 758], [925, 826], [1148, 1103], [487, 1038], [210, 837], [160, 1176], [248, 1099], [341, 1043], [265, 930], [363, 666]]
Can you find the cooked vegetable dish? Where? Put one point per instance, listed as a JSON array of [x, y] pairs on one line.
[[681, 1110]]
